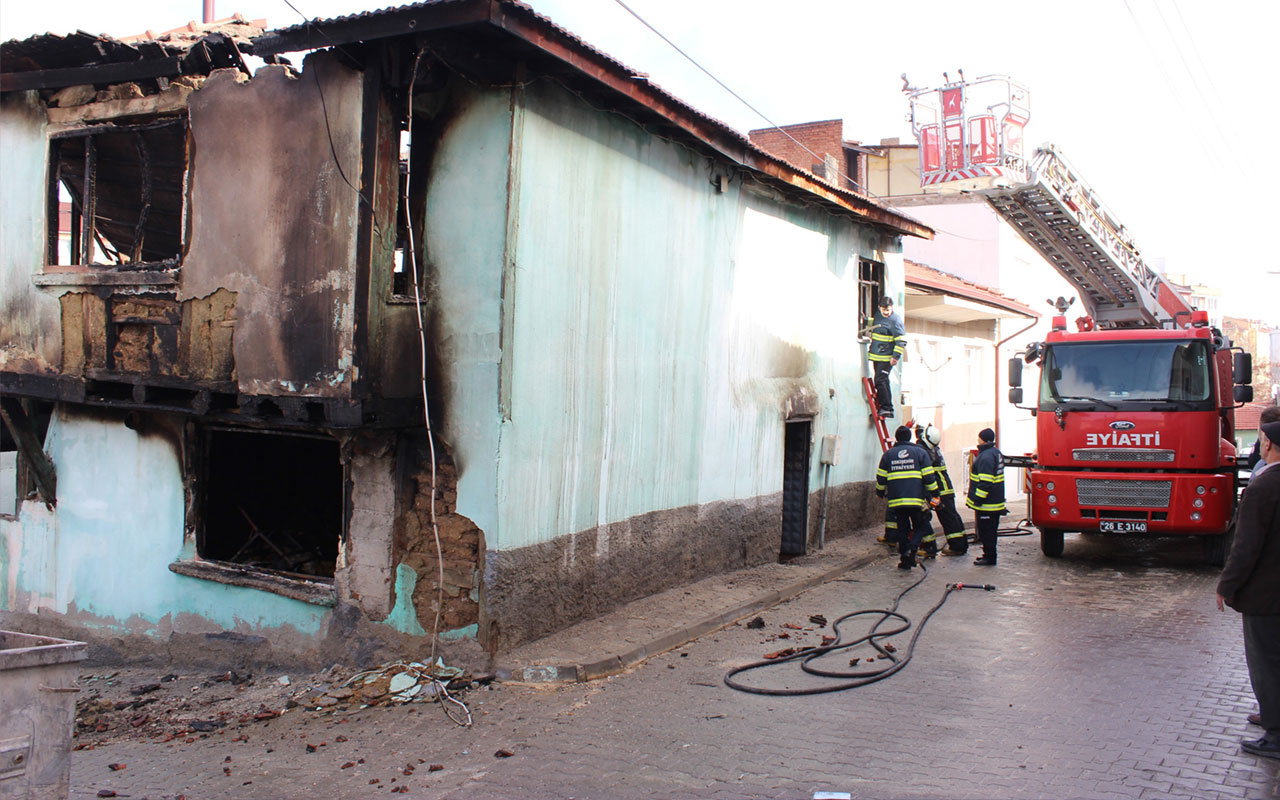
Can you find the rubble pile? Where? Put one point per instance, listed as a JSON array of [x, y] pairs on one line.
[[132, 703]]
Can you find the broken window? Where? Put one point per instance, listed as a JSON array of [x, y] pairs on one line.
[[271, 500], [116, 195], [870, 287], [23, 423]]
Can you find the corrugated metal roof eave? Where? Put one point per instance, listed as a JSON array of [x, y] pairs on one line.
[[519, 20]]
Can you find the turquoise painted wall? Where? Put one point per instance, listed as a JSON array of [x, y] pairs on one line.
[[655, 328], [466, 214], [105, 552]]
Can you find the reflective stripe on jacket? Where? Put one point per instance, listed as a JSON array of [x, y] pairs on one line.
[[888, 338], [986, 480], [945, 486], [905, 476]]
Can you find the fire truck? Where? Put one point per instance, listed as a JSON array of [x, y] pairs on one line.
[[1135, 422]]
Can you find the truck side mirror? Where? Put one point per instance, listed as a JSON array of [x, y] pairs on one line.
[[1015, 395], [1015, 372], [1243, 394], [1242, 369]]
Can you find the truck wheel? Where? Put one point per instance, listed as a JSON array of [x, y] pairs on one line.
[[1051, 543], [1217, 547]]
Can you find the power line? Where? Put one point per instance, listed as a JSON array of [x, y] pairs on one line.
[[739, 97]]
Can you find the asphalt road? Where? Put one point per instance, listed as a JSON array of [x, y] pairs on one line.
[[1107, 673]]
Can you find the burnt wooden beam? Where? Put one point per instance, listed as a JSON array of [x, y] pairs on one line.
[[24, 433], [126, 72]]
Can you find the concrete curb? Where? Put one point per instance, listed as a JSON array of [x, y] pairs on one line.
[[614, 664]]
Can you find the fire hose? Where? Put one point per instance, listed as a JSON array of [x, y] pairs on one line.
[[855, 678]]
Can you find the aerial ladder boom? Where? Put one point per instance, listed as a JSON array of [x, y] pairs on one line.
[[1043, 198], [1057, 213]]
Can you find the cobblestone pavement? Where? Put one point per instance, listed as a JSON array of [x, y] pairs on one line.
[[1105, 674]]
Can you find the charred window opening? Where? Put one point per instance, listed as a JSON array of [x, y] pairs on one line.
[[116, 195], [272, 501], [871, 287], [416, 149], [18, 473]]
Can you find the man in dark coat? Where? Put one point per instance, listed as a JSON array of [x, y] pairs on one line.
[[1250, 584]]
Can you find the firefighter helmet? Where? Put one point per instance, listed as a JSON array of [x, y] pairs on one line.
[[932, 435]]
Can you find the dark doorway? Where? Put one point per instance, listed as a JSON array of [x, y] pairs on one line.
[[795, 488], [272, 501]]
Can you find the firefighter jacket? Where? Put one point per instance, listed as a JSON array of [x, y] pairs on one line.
[[939, 468], [902, 476], [888, 338], [986, 480]]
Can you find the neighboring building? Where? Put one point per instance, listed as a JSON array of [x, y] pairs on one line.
[[819, 148], [1256, 338], [951, 366], [1203, 297], [636, 326]]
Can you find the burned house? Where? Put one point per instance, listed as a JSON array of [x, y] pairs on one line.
[[426, 320]]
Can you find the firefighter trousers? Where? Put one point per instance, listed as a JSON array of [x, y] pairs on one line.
[[911, 529]]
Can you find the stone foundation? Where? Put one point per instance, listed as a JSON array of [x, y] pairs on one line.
[[534, 591]]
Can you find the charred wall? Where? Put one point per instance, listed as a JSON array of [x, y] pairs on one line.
[[274, 205]]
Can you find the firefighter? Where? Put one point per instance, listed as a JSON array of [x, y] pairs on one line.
[[902, 478], [986, 494], [952, 525], [888, 342]]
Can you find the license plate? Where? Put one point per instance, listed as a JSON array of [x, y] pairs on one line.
[[1121, 526]]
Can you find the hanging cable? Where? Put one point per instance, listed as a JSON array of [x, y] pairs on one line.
[[412, 252], [739, 97], [808, 657]]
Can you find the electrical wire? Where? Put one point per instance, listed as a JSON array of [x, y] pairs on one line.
[[739, 97], [874, 637], [426, 408], [441, 688], [333, 150]]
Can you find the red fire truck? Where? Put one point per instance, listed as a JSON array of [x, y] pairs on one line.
[[1135, 423]]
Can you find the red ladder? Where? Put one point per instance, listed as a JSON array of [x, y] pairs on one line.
[[882, 427]]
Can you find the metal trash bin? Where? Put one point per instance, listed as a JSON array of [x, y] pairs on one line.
[[37, 714]]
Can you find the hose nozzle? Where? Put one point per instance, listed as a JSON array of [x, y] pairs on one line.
[[985, 586]]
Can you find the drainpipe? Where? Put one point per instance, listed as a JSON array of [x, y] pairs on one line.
[[996, 426], [208, 11]]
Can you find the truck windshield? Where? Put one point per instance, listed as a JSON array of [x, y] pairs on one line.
[[1127, 375]]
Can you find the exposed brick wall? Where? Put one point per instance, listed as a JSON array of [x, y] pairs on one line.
[[825, 139]]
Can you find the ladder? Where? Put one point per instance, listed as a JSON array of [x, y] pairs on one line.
[[1059, 215], [882, 427]]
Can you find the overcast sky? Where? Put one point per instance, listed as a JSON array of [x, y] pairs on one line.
[[1167, 108]]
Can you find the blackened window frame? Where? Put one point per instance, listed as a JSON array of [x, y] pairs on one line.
[[84, 214]]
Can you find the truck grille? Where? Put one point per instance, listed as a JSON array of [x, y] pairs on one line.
[[1121, 454], [1125, 494]]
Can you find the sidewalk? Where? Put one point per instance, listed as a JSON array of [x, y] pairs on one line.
[[644, 628]]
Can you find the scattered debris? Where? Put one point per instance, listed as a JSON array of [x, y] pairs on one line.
[[792, 626], [503, 754], [106, 793], [116, 767], [818, 619], [756, 623], [144, 689], [888, 646]]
